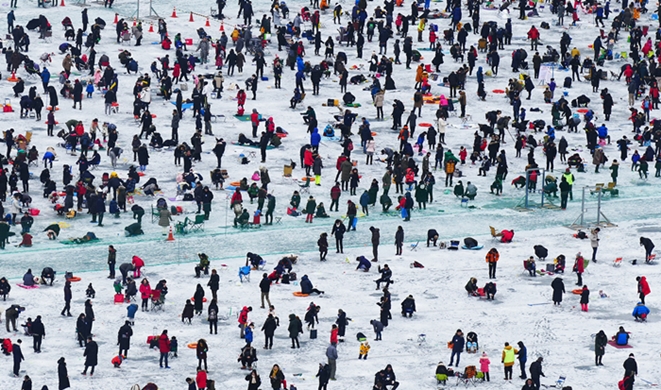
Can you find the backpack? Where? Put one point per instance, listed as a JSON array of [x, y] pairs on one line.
[[620, 384], [470, 242], [350, 146]]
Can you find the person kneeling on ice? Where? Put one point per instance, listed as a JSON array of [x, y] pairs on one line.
[[117, 361], [363, 264], [408, 306], [490, 290], [640, 312], [622, 337], [471, 287], [531, 267]]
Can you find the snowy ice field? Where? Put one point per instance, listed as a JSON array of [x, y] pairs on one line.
[[561, 335]]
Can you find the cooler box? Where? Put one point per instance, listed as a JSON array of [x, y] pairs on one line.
[[313, 333]]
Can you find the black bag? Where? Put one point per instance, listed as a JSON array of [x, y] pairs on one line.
[[348, 98], [468, 27], [285, 279], [313, 334], [361, 336], [540, 251], [188, 197], [567, 83], [581, 234], [292, 276], [470, 242]]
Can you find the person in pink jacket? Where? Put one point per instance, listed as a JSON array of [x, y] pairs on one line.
[[484, 366]]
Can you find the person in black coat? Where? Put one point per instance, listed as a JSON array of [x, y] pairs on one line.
[[78, 94], [408, 306], [198, 297], [18, 356], [124, 339], [269, 330], [81, 329], [649, 246], [324, 376], [536, 371], [89, 316], [630, 366], [338, 231], [38, 333], [91, 355], [67, 299], [341, 322], [399, 240], [558, 289], [214, 282], [62, 375]]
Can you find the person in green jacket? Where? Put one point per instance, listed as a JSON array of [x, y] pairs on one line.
[[321, 211], [615, 166], [386, 181], [310, 208], [373, 192], [270, 206], [242, 219], [295, 200], [421, 196]]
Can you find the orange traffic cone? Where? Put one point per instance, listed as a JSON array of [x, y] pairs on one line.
[[191, 17], [222, 26], [13, 77], [174, 12], [207, 24], [170, 235], [151, 27], [116, 19]]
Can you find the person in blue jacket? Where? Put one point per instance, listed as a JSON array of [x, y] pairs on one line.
[[28, 278], [456, 17], [315, 139], [622, 337], [130, 312], [364, 201], [522, 355], [640, 312], [45, 78], [363, 264], [307, 287]]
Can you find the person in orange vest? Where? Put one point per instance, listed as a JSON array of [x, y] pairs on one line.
[[492, 258]]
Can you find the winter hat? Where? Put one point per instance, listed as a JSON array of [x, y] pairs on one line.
[[631, 355], [484, 354]]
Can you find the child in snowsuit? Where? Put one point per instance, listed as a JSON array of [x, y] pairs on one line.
[[90, 292], [364, 350]]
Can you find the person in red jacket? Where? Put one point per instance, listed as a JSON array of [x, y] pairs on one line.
[[335, 193], [201, 379], [243, 319], [579, 267], [533, 35], [145, 293], [333, 335], [643, 288], [254, 119], [164, 348], [308, 161], [117, 361], [137, 264]]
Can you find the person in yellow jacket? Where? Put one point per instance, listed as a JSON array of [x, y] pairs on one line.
[[421, 28], [492, 258], [575, 53], [364, 350], [508, 358]]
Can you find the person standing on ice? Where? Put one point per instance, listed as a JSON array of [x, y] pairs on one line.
[[457, 346], [508, 361], [585, 298], [579, 267], [643, 288], [91, 355], [522, 355], [558, 289], [594, 242]]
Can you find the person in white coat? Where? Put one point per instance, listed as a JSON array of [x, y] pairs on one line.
[[370, 148], [441, 123], [16, 207]]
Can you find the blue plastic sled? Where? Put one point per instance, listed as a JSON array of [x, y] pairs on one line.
[[475, 248]]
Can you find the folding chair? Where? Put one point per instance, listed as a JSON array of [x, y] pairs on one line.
[[617, 262], [652, 258], [244, 273], [495, 236], [197, 224], [468, 377], [156, 301]]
